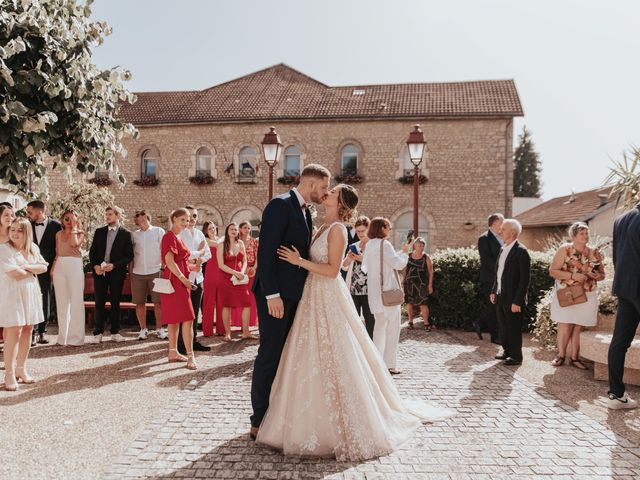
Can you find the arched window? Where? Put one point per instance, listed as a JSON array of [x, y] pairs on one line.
[[407, 165], [250, 216], [349, 160], [404, 224], [247, 164], [203, 161], [292, 161], [150, 159]]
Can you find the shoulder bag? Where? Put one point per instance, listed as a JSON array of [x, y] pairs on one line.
[[394, 297], [163, 285]]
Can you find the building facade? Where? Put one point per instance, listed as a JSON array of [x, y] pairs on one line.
[[203, 148]]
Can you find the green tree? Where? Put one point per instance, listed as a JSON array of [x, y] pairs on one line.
[[55, 104], [526, 167]]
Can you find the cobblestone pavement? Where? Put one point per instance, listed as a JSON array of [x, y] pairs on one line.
[[504, 427]]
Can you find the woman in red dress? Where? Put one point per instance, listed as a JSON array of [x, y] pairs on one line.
[[251, 247], [232, 260], [211, 310], [176, 307]]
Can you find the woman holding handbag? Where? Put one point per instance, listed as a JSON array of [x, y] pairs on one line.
[[381, 264], [577, 268]]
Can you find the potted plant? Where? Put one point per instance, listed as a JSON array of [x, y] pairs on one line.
[[349, 176], [407, 179], [147, 181], [202, 179]]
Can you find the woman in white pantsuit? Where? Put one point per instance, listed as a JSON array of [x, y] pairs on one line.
[[386, 332], [68, 280]]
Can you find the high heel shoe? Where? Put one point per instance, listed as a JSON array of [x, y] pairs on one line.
[[10, 387], [176, 357], [22, 375], [191, 362]]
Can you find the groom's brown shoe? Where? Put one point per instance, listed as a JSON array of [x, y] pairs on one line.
[[253, 433]]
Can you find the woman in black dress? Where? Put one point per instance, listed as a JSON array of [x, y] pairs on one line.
[[418, 283]]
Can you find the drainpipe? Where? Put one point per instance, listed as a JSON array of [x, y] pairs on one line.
[[507, 149]]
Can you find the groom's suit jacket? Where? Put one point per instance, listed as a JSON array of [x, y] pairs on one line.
[[283, 223]]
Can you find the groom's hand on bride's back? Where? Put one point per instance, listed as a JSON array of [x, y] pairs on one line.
[[276, 307]]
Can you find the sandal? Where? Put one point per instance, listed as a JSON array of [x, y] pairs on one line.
[[575, 362], [558, 361], [427, 327], [175, 358], [410, 325], [191, 362]]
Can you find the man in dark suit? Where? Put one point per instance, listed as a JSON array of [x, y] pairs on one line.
[[489, 244], [626, 285], [278, 284], [509, 292], [109, 256], [44, 235], [352, 237]]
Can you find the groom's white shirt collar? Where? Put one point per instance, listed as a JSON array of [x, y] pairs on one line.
[[300, 197]]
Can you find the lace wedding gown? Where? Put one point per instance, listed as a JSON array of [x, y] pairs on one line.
[[333, 395]]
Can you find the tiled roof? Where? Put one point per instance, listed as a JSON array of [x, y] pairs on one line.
[[282, 93], [562, 211]]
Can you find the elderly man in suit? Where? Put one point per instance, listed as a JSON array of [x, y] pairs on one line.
[[44, 235], [509, 292], [489, 244], [626, 285], [110, 254]]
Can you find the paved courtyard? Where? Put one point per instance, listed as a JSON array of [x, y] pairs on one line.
[[504, 427]]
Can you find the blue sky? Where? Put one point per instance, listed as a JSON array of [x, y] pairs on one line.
[[573, 61]]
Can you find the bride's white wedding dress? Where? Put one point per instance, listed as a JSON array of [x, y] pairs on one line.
[[333, 395]]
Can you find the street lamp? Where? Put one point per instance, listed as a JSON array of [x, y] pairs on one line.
[[271, 147], [416, 144]]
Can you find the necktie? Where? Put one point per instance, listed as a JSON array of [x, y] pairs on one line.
[[307, 216]]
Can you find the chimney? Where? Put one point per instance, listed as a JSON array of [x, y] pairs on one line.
[[604, 199]]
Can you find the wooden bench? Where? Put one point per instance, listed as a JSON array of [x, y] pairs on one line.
[[90, 305]]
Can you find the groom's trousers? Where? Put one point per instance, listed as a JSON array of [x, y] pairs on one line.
[[273, 334]]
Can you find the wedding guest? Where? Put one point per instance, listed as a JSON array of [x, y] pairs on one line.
[[110, 254], [146, 267], [211, 307], [352, 237], [44, 233], [489, 244], [575, 263], [232, 259], [195, 241], [355, 278], [20, 299], [251, 247], [177, 308], [68, 280], [386, 333], [509, 291], [6, 217], [626, 286], [418, 283]]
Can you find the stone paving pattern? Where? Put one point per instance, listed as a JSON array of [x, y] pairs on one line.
[[504, 428]]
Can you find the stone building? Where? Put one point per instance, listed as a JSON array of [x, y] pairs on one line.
[[203, 148]]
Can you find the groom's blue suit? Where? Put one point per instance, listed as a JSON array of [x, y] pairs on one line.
[[284, 222]]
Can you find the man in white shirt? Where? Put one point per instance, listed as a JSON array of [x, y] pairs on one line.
[[195, 241], [146, 267]]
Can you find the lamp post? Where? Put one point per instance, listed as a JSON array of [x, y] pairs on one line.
[[416, 144], [271, 148]]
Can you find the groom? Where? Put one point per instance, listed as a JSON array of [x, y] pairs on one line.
[[278, 285]]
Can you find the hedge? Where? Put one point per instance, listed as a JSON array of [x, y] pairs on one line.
[[456, 299]]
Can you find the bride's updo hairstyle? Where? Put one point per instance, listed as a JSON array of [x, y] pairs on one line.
[[347, 202]]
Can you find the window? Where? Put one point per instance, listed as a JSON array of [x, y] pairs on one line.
[[246, 215], [149, 162], [102, 173], [349, 160], [404, 223], [291, 161], [247, 165], [407, 165], [203, 162]]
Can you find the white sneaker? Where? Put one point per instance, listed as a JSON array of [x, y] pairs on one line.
[[162, 333], [95, 339], [144, 333], [620, 403], [116, 337]]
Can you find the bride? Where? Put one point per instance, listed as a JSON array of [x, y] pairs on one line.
[[333, 395]]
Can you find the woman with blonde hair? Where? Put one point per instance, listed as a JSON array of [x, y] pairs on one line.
[[68, 279], [575, 264], [20, 299], [6, 217]]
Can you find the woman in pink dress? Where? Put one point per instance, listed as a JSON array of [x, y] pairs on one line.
[[211, 310], [251, 247], [176, 307], [232, 260]]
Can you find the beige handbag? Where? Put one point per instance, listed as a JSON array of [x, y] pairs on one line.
[[390, 298], [163, 285], [571, 295]]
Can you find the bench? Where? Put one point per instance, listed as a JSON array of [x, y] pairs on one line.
[[90, 305], [594, 345]]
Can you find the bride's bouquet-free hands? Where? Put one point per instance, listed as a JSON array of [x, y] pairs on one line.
[[291, 255]]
